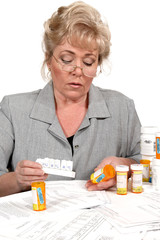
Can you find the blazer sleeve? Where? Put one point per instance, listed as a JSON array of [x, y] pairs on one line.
[[134, 128], [6, 135]]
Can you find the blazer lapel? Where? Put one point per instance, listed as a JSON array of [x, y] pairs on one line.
[[44, 111]]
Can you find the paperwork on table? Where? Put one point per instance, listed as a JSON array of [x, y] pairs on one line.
[[73, 213], [61, 196]]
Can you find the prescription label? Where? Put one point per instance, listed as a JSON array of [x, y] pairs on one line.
[[122, 182], [38, 196], [158, 145], [136, 181], [146, 172], [97, 173], [100, 178]]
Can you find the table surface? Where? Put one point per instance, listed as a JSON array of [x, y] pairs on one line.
[[75, 213]]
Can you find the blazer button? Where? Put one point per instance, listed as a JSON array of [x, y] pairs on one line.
[[76, 146]]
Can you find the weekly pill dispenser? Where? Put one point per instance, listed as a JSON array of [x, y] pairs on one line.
[[57, 167]]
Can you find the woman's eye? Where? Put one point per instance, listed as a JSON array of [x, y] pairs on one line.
[[66, 61], [88, 64]]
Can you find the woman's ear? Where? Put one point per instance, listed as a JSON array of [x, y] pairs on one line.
[[49, 66]]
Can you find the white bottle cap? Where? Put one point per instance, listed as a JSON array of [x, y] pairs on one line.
[[149, 129], [137, 167], [147, 157], [156, 162], [158, 134], [122, 168]]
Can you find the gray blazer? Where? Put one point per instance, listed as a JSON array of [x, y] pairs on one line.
[[29, 129]]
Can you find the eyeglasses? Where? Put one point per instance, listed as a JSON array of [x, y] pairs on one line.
[[88, 71]]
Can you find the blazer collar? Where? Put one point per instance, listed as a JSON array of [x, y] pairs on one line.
[[44, 107], [97, 106]]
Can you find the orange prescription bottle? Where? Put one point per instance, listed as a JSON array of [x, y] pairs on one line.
[[122, 179], [146, 170], [38, 196], [103, 174], [136, 178], [158, 145]]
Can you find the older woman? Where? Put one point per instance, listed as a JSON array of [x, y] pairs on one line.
[[70, 118]]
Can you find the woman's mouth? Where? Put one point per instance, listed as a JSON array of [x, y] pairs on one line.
[[75, 85]]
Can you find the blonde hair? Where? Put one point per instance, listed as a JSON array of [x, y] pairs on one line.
[[81, 25]]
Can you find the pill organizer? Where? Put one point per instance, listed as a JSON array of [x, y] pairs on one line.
[[57, 167]]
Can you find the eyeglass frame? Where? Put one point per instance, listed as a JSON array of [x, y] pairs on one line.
[[74, 67]]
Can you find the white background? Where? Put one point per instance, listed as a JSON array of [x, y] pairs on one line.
[[135, 51]]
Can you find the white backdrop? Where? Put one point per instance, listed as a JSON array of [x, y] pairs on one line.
[[135, 51]]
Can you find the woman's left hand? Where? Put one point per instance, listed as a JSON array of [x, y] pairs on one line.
[[114, 161]]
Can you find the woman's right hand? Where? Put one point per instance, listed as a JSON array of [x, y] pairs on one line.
[[27, 172]]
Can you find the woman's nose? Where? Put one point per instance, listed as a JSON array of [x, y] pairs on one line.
[[78, 71]]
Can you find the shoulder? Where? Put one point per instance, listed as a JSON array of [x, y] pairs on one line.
[[109, 94], [21, 96], [21, 101], [116, 100], [113, 95]]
